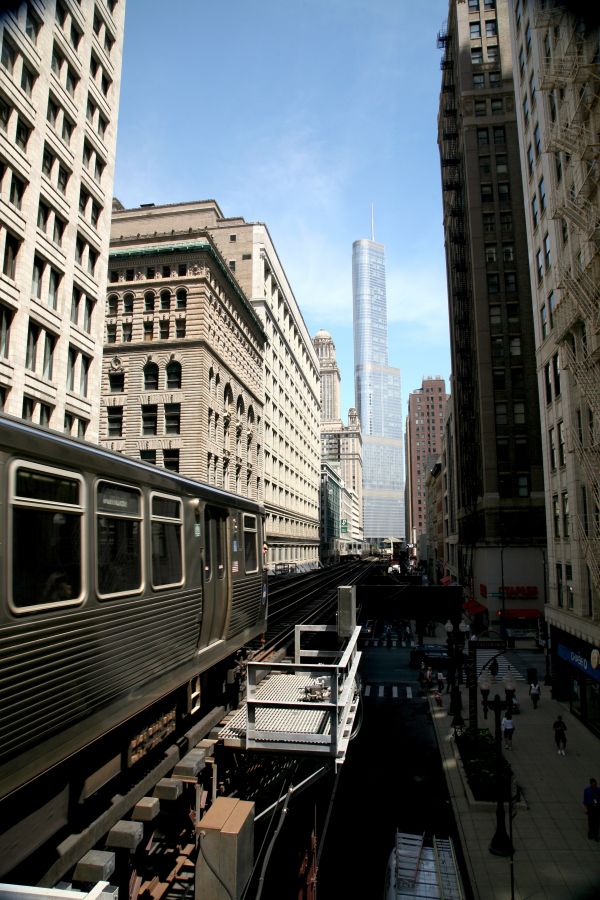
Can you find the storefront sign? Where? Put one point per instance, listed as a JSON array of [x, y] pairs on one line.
[[579, 661]]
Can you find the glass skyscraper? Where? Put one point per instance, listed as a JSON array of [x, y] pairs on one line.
[[378, 397]]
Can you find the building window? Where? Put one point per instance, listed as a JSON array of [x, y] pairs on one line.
[[111, 333], [503, 191], [164, 329], [538, 265], [506, 222], [149, 418], [515, 346], [33, 334], [552, 449], [556, 374], [483, 137], [173, 375], [149, 300], [128, 304], [172, 418], [127, 332], [115, 421], [150, 377], [519, 413], [54, 281], [49, 344], [501, 414], [476, 56], [165, 300], [556, 516], [499, 134], [491, 28], [548, 383], [17, 190], [565, 515], [148, 331], [479, 82], [6, 317], [535, 210], [148, 456], [171, 460], [561, 444], [180, 328], [547, 255], [71, 363], [495, 79], [474, 30], [493, 283], [530, 159], [544, 321], [487, 193], [537, 139], [181, 299]]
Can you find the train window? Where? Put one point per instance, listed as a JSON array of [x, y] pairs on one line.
[[47, 544], [250, 544], [119, 545], [167, 567]]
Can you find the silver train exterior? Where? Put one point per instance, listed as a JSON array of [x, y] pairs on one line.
[[122, 585]]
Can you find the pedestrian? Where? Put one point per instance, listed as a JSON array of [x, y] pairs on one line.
[[560, 736], [591, 802], [535, 692], [494, 668], [508, 728], [429, 677], [440, 682]]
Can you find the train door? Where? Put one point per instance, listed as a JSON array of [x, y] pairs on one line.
[[216, 574]]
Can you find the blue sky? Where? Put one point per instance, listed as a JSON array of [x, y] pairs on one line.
[[301, 114]]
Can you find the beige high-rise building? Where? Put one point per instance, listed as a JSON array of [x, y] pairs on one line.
[[424, 432], [60, 72], [290, 443], [557, 85], [182, 385], [341, 445]]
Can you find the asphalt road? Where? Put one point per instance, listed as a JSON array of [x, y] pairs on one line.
[[392, 779]]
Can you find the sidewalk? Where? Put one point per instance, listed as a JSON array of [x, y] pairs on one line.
[[553, 856]]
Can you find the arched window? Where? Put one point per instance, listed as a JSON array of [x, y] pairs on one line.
[[181, 296], [112, 304], [150, 377], [240, 407], [149, 301], [128, 304], [173, 375], [165, 299], [211, 380], [227, 398]]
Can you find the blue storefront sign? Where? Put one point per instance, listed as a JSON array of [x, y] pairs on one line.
[[588, 664]]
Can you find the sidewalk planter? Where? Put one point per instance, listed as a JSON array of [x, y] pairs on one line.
[[478, 756]]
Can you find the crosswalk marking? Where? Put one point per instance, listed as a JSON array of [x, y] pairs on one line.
[[367, 690], [378, 690]]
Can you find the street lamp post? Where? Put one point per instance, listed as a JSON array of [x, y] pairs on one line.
[[500, 844], [484, 687], [454, 663]]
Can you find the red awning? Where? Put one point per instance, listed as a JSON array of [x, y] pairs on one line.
[[446, 579], [520, 613], [473, 606]]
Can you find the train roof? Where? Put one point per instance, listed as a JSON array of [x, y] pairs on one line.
[[28, 438]]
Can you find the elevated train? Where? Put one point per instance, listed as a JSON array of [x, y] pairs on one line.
[[126, 590]]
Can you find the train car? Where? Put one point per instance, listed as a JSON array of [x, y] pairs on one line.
[[124, 587]]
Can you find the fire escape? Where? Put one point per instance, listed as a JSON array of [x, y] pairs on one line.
[[461, 312], [572, 72]]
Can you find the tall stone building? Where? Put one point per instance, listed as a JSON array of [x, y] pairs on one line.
[[500, 490], [290, 443], [60, 71], [341, 447], [424, 433], [182, 384], [557, 83]]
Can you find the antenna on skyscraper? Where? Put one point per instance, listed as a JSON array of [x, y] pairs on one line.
[[372, 223]]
